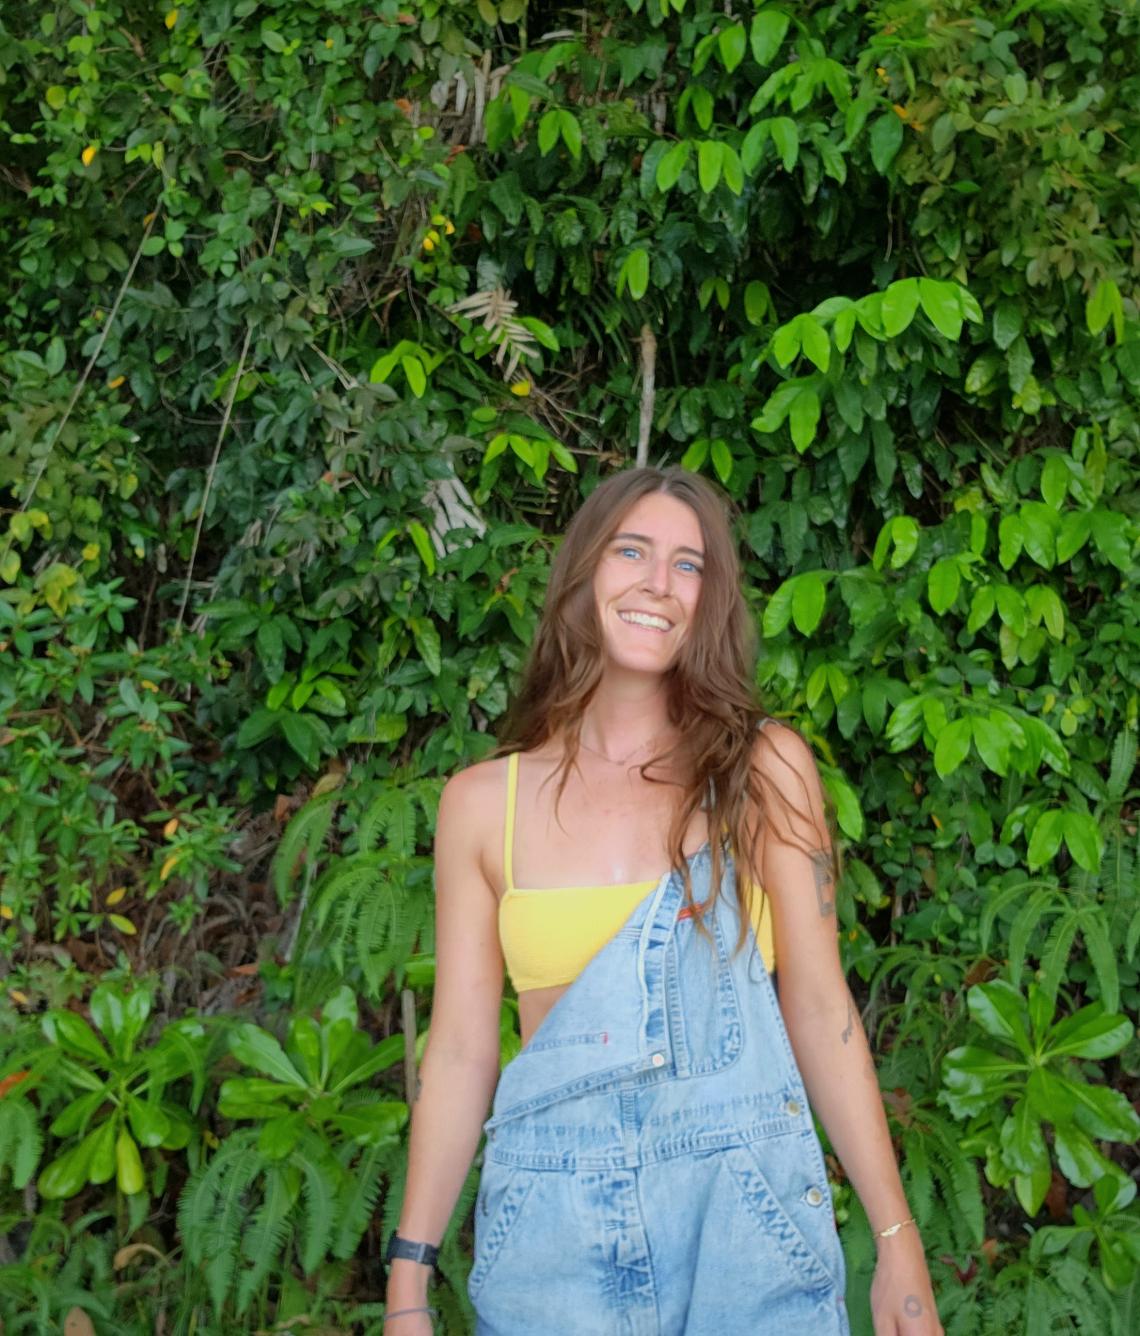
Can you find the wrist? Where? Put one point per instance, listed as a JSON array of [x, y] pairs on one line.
[[407, 1283]]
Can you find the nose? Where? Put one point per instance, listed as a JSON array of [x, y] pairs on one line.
[[657, 576]]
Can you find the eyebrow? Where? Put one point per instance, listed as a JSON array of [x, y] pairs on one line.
[[644, 538]]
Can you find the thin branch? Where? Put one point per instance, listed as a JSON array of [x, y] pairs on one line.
[[83, 379], [648, 390], [210, 476]]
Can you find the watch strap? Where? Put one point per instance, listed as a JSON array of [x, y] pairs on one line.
[[406, 1250]]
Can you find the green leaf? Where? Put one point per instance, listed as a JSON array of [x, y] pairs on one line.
[[886, 140], [900, 302], [943, 581], [75, 1036], [636, 273], [732, 43], [672, 164], [778, 613], [710, 160], [303, 735], [940, 304], [258, 1049], [423, 545], [1045, 840], [786, 138], [428, 644], [767, 34], [803, 417], [1055, 478], [952, 747], [1082, 836], [1089, 1033], [417, 377], [1000, 1010], [808, 599], [1022, 1140], [816, 344], [722, 459], [548, 131], [571, 132], [1104, 305], [786, 341], [56, 97], [1007, 323], [1111, 536]]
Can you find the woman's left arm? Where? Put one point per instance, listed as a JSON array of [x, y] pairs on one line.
[[794, 862]]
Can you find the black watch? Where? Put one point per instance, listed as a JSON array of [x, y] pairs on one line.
[[405, 1250]]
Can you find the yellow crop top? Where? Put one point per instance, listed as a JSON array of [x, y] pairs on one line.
[[548, 936]]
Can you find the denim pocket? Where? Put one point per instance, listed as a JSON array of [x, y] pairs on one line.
[[767, 1176], [502, 1194]]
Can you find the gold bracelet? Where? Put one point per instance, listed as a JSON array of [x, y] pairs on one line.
[[894, 1229]]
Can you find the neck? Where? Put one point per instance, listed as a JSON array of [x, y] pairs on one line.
[[626, 713]]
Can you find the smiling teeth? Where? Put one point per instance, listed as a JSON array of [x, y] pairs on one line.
[[645, 619]]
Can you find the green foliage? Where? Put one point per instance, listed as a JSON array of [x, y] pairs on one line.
[[318, 322]]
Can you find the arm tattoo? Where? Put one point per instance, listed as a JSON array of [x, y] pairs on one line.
[[824, 884], [912, 1306], [850, 1030]]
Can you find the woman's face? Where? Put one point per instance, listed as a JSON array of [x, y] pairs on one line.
[[648, 582]]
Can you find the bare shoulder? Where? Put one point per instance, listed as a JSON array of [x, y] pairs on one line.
[[474, 798], [784, 763]]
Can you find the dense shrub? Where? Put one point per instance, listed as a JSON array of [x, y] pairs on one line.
[[319, 320]]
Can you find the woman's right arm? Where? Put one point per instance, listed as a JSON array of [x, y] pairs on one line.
[[461, 1063]]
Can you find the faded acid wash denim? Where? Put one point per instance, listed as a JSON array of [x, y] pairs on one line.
[[651, 1168]]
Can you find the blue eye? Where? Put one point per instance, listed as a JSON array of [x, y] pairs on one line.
[[690, 566], [628, 551]]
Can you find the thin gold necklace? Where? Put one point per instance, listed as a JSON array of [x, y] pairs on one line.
[[624, 760]]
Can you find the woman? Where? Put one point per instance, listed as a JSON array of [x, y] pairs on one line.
[[651, 1166]]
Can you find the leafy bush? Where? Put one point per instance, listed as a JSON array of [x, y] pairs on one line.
[[319, 321]]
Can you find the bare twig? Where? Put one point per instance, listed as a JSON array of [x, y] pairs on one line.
[[648, 390], [83, 379]]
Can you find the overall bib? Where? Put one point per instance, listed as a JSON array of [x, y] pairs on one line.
[[651, 1168]]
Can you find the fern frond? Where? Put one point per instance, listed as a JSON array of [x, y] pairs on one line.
[[321, 1188], [21, 1141], [391, 815], [359, 1195], [1025, 924], [267, 1235], [302, 839], [213, 1209], [1055, 954], [1098, 943], [1123, 763]]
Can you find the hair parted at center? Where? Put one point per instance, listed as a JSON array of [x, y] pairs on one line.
[[712, 702]]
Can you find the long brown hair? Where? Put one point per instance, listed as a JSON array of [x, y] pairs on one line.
[[712, 704]]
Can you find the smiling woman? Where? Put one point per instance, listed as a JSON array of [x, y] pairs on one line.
[[651, 1167]]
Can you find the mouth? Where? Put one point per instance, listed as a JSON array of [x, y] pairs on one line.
[[650, 620]]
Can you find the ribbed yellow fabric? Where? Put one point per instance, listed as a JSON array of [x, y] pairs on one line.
[[549, 935]]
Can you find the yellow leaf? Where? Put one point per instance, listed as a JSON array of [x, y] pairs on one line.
[[114, 384], [210, 1139], [900, 111], [169, 829], [90, 551], [521, 388], [124, 925], [327, 783], [171, 18], [77, 1323], [148, 686], [430, 240], [449, 227], [21, 999], [329, 43], [169, 866], [147, 220], [116, 895], [88, 154], [7, 913]]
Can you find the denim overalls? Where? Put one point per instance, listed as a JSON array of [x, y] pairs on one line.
[[651, 1168]]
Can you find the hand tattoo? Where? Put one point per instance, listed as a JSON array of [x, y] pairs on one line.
[[912, 1306], [824, 895]]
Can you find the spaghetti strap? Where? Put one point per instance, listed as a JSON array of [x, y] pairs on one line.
[[509, 819]]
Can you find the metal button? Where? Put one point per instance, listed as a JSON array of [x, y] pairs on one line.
[[813, 1196], [792, 1108], [658, 1059]]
